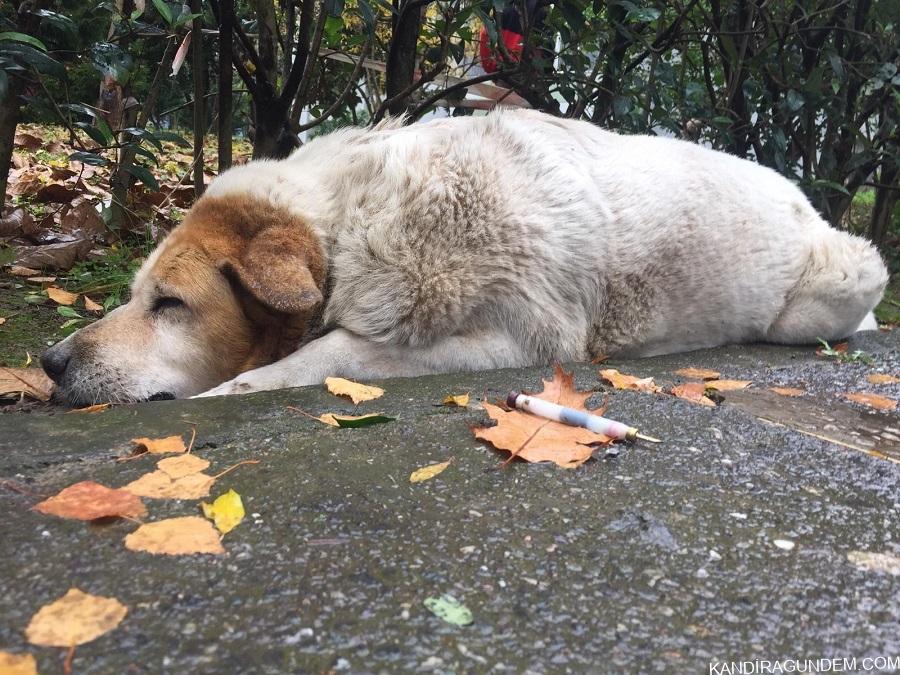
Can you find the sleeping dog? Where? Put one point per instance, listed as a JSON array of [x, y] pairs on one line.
[[511, 239]]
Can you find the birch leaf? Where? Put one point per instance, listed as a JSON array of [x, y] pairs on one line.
[[187, 535], [160, 446], [17, 664], [88, 500], [355, 391], [61, 297], [226, 511], [459, 400], [74, 619], [428, 472]]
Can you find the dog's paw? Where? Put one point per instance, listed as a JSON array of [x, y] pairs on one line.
[[235, 386]]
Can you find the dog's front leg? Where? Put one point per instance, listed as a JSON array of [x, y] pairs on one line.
[[344, 354]]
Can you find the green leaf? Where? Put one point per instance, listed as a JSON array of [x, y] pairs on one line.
[[58, 21], [450, 610], [169, 136], [185, 18], [95, 133], [143, 175], [164, 11], [88, 158], [28, 56], [364, 421], [68, 312], [112, 61], [144, 133], [12, 36], [794, 100], [366, 13]]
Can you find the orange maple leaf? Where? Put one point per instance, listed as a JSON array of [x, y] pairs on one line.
[[536, 439]]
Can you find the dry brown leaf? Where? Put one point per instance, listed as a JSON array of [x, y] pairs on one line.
[[841, 347], [17, 664], [788, 391], [728, 385], [160, 485], [621, 381], [535, 439], [693, 392], [97, 407], [92, 306], [32, 382], [176, 536], [698, 373], [40, 281], [459, 400], [354, 390], [74, 619], [873, 400], [882, 378], [181, 466], [88, 500], [60, 296], [159, 446], [2, 320], [331, 419], [428, 472], [19, 271]]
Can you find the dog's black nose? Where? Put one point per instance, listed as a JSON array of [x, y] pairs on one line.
[[55, 360]]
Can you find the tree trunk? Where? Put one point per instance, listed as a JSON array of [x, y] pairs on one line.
[[401, 59], [885, 200], [226, 31], [9, 118], [199, 73]]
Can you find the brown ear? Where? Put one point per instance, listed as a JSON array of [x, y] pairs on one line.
[[279, 271]]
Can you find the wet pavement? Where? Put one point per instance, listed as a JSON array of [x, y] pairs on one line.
[[661, 559]]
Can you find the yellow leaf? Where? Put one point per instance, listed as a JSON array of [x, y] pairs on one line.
[[160, 485], [160, 446], [74, 619], [728, 385], [61, 297], [460, 400], [354, 390], [621, 381], [698, 373], [92, 306], [181, 466], [787, 391], [97, 407], [873, 400], [227, 511], [428, 472], [881, 378], [17, 664], [176, 536]]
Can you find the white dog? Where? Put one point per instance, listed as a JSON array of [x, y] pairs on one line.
[[512, 239]]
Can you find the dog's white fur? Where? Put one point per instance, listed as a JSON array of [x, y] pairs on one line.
[[519, 238]]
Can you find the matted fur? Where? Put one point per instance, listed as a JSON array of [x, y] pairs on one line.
[[470, 243]]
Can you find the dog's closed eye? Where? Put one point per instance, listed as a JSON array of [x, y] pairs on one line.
[[162, 304]]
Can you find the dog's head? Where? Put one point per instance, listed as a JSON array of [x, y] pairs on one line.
[[233, 287]]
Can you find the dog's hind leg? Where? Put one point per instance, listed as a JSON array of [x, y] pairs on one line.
[[842, 282], [341, 353]]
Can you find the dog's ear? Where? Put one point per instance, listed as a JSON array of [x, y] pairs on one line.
[[280, 269]]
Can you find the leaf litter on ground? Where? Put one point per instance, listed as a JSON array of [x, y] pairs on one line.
[[535, 439], [458, 400], [449, 609], [226, 511], [428, 472], [178, 477], [31, 382], [876, 401], [74, 619], [88, 500], [17, 664], [355, 391], [621, 381], [346, 421], [186, 535]]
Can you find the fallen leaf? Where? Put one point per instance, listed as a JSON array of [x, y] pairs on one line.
[[876, 562], [535, 439], [28, 142], [88, 500], [181, 466], [832, 350], [226, 511], [175, 478], [60, 256], [354, 390], [186, 535], [97, 407], [881, 378], [40, 281], [32, 382], [74, 619], [57, 193], [17, 223], [19, 271], [60, 296], [698, 373], [621, 381], [17, 664], [693, 392], [428, 472], [354, 422], [160, 446], [788, 391], [459, 400], [85, 218], [449, 609], [91, 306], [873, 400], [2, 320], [728, 385]]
